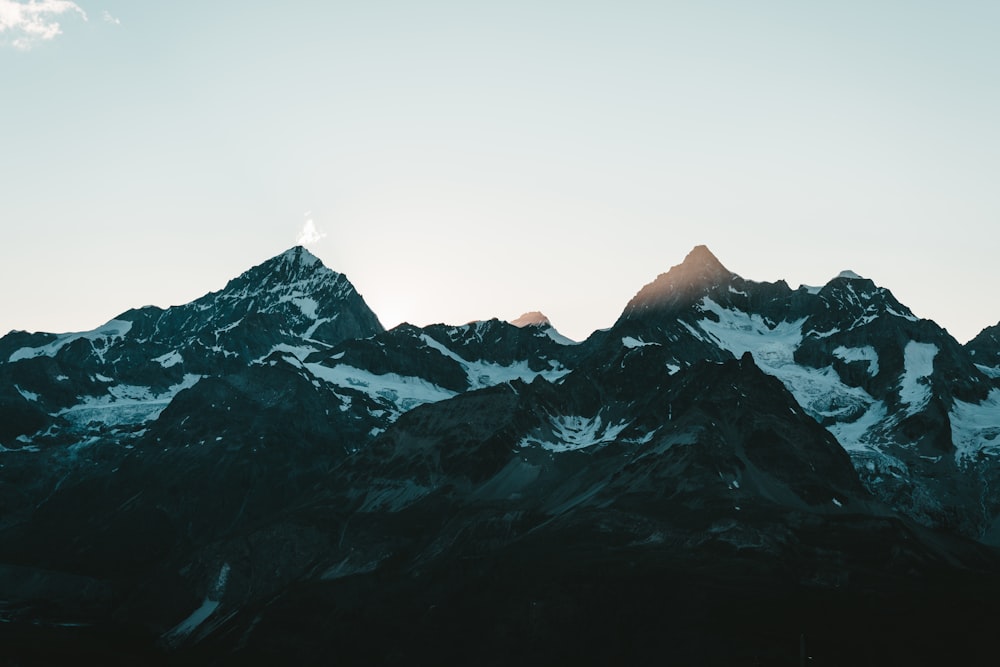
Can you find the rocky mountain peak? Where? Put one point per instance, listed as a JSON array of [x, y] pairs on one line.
[[299, 255], [532, 319], [303, 298], [701, 256], [683, 284], [295, 268], [985, 350], [145, 356]]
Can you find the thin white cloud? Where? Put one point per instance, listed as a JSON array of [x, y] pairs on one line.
[[309, 234], [23, 24], [108, 18]]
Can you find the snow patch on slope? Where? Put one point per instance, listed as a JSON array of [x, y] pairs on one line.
[[632, 343], [823, 395], [819, 391], [866, 353], [125, 404], [857, 436], [28, 395], [404, 392], [169, 359], [989, 371], [772, 345], [568, 433], [307, 305], [202, 613], [554, 334], [483, 374], [918, 364], [300, 352], [975, 427]]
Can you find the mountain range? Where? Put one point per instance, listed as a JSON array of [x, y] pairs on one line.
[[735, 472]]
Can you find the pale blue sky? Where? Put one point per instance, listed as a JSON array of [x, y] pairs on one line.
[[467, 160]]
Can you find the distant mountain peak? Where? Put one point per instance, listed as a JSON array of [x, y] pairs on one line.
[[537, 320], [295, 269], [850, 275], [299, 255], [311, 301], [296, 261], [532, 319], [700, 255], [684, 283]]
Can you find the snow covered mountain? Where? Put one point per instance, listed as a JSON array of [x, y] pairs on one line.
[[265, 474], [917, 415], [127, 371]]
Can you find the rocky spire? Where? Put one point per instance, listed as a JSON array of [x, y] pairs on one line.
[[682, 284]]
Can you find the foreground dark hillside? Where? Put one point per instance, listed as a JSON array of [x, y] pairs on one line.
[[565, 598]]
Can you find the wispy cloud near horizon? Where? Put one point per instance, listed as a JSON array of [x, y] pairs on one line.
[[108, 18], [25, 24]]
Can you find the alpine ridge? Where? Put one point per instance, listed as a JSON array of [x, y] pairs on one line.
[[732, 473]]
